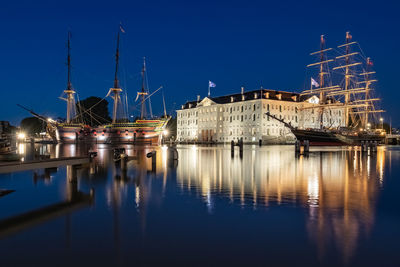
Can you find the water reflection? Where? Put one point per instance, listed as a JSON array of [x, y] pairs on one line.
[[336, 189], [339, 188]]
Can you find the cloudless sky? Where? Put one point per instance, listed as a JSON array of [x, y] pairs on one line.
[[186, 43]]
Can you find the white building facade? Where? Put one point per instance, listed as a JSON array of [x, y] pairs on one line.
[[232, 117]]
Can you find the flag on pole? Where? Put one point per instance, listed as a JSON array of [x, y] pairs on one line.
[[314, 82], [211, 84], [121, 28]]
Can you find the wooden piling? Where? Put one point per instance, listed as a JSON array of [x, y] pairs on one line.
[[306, 146], [297, 146]]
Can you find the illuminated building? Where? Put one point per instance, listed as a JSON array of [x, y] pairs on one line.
[[232, 117]]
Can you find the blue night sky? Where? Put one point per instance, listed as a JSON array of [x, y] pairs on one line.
[[186, 43]]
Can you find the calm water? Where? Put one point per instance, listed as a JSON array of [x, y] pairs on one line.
[[334, 207]]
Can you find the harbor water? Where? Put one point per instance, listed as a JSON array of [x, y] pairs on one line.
[[335, 206]]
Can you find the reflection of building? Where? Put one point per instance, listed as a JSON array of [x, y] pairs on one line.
[[231, 117], [339, 188]]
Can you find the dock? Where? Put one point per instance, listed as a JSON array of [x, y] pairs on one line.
[[17, 166]]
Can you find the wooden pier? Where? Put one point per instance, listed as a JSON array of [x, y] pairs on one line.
[[7, 167]]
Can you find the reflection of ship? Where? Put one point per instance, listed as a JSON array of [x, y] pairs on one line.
[[121, 130], [358, 104], [71, 130]]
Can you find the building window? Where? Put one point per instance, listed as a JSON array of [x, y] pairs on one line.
[[242, 117], [254, 117], [242, 108]]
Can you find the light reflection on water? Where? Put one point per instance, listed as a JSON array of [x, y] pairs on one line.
[[336, 188]]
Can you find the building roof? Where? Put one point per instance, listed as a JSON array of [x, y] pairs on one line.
[[249, 95]]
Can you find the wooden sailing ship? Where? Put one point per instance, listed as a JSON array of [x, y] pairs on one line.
[[70, 131], [353, 96], [143, 130]]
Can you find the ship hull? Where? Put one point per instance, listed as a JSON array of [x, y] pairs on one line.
[[335, 138], [319, 138], [148, 132], [70, 134]]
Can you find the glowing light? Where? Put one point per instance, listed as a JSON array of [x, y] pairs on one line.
[[21, 149], [21, 135], [165, 132]]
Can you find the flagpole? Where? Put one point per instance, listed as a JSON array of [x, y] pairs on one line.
[[208, 88]]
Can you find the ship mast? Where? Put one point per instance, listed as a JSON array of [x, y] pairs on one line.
[[321, 82], [367, 83], [116, 89], [353, 107], [143, 92], [69, 91], [323, 70], [347, 76]]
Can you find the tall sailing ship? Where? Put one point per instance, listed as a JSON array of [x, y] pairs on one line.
[[143, 130], [353, 95], [72, 130]]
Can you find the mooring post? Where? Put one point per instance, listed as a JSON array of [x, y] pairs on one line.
[[306, 146], [241, 147], [153, 156], [124, 159], [297, 146], [259, 142], [374, 145], [232, 148], [172, 154]]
